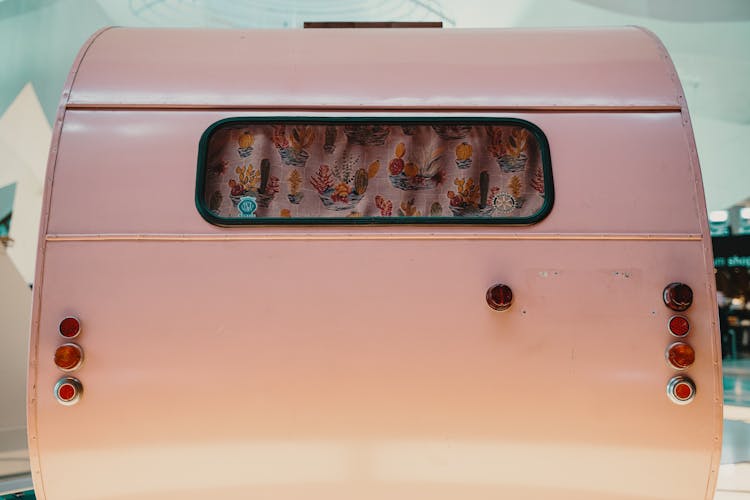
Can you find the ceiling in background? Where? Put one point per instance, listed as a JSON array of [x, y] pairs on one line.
[[679, 10], [269, 13]]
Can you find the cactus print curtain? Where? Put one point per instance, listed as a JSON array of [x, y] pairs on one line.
[[446, 172]]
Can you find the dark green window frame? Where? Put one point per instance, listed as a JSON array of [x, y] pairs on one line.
[[212, 218]]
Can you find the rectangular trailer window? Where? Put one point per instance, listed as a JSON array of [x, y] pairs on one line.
[[381, 171]]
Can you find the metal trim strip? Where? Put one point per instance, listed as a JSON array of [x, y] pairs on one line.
[[297, 236]]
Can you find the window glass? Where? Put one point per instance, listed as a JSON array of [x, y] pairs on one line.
[[350, 171]]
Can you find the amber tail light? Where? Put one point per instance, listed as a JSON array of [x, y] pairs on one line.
[[680, 355], [68, 357]]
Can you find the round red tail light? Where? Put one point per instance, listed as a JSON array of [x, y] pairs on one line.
[[679, 326], [68, 357], [680, 355], [68, 390], [499, 297], [70, 327], [678, 296], [681, 390]]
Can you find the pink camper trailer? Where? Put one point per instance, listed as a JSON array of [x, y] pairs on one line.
[[374, 264]]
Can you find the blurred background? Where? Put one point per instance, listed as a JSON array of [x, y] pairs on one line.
[[708, 41]]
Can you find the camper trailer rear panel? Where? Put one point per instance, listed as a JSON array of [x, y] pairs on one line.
[[255, 325]]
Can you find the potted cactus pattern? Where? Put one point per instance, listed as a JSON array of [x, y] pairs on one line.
[[407, 209], [214, 202], [451, 132], [385, 206], [463, 155], [257, 184], [538, 182], [245, 144], [330, 139], [294, 181], [510, 153], [291, 148], [515, 186], [470, 198], [408, 176], [433, 169], [342, 187], [367, 135]]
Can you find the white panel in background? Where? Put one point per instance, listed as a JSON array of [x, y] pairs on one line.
[[24, 128], [24, 225], [25, 137], [15, 320]]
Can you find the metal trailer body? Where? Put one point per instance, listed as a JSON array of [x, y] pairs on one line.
[[362, 361]]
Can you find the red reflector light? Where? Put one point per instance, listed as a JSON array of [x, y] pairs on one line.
[[499, 297], [70, 327], [681, 390], [680, 355], [68, 390], [678, 296], [679, 326], [68, 357]]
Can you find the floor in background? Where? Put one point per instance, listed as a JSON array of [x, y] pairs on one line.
[[734, 473]]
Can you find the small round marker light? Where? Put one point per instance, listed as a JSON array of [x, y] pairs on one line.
[[68, 391], [499, 297], [678, 296], [681, 390], [70, 327], [680, 355], [679, 326], [68, 357]]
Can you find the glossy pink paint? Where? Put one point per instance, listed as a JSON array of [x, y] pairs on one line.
[[342, 362]]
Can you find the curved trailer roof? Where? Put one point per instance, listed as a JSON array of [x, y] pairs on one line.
[[368, 68]]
